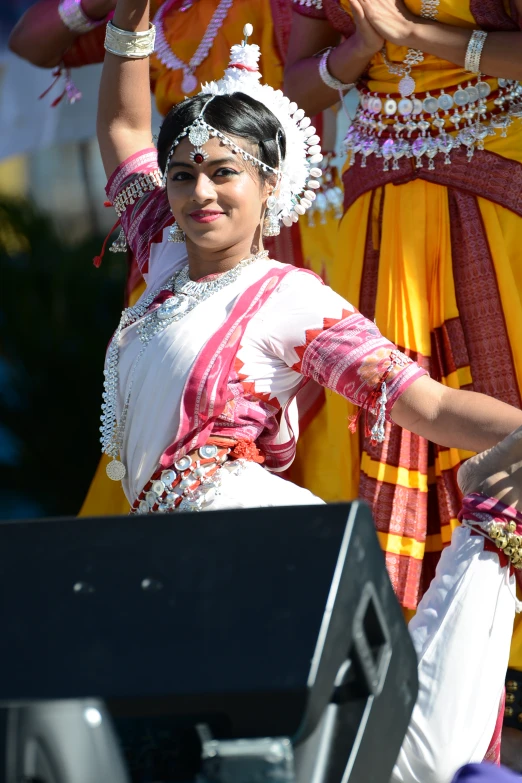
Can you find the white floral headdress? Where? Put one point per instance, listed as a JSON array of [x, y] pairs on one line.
[[297, 174]]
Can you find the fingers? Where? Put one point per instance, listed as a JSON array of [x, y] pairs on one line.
[[357, 12], [496, 472]]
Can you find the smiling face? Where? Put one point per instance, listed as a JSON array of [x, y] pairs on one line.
[[219, 203]]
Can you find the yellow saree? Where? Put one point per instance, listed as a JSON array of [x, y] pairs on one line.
[[434, 257]]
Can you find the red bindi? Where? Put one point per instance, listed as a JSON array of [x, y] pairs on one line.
[[198, 158]]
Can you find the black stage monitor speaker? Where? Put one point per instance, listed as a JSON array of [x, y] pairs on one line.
[[277, 622]]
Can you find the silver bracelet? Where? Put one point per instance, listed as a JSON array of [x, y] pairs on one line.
[[327, 77], [124, 43], [74, 17], [137, 188], [474, 51]]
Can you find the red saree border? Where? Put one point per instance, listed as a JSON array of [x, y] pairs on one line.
[[489, 176], [491, 15], [479, 304], [339, 18], [206, 390], [282, 22]]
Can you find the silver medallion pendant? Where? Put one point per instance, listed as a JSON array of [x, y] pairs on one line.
[[189, 83], [171, 307], [116, 470], [407, 86]]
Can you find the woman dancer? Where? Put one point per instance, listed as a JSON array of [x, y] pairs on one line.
[[428, 244], [193, 42], [203, 373]]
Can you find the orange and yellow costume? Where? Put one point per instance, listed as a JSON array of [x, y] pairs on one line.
[[433, 255]]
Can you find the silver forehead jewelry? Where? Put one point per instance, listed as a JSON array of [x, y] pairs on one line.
[[187, 294], [199, 133]]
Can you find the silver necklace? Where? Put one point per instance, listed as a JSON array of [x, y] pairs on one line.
[[164, 51], [429, 10], [187, 294]]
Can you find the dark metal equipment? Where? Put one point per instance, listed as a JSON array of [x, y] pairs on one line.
[[216, 628]]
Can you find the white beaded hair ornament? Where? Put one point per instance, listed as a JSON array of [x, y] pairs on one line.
[[297, 173]]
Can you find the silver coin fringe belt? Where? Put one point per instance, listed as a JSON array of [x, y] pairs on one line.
[[436, 125], [500, 526], [194, 480]]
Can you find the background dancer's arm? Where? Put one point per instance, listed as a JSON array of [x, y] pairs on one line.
[[40, 36], [454, 418], [124, 105], [346, 62], [391, 19]]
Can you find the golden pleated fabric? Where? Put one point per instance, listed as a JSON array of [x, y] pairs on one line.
[[438, 267]]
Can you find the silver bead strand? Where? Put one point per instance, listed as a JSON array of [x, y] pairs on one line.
[[170, 60], [188, 294]]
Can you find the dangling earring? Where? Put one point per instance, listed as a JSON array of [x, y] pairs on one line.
[[176, 234], [271, 225]]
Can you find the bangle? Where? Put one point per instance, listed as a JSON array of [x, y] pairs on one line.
[[327, 77], [74, 17], [124, 43], [474, 51], [137, 188]]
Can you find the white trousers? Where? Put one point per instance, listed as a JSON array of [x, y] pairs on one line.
[[461, 632]]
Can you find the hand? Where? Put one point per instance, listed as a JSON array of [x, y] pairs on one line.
[[366, 39], [390, 19], [98, 9]]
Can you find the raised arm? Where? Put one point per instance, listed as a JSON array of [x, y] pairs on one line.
[[41, 37], [346, 62], [124, 104]]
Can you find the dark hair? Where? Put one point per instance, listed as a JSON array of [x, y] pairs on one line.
[[235, 115]]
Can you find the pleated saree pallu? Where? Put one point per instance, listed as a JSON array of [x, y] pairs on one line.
[[433, 255]]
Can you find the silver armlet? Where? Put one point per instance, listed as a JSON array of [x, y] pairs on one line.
[[124, 43]]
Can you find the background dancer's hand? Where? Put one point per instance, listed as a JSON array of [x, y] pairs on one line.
[[366, 38], [496, 472], [389, 18], [40, 36]]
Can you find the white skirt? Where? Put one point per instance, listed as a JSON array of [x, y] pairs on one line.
[[252, 486], [461, 632]]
